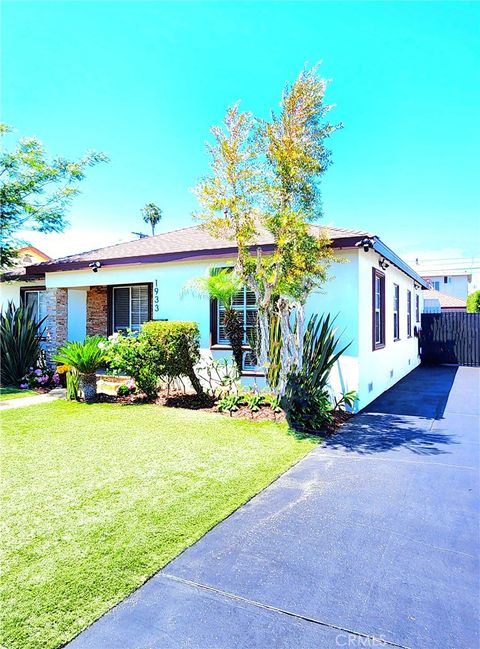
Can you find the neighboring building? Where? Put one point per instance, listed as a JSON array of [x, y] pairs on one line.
[[454, 283], [437, 302], [377, 297], [17, 286]]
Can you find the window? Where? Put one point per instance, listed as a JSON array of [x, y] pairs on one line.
[[447, 279], [396, 312], [378, 309], [409, 314], [130, 307], [436, 285], [38, 300], [244, 302], [417, 308]]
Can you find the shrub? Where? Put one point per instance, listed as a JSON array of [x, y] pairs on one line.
[[220, 377], [85, 358], [20, 343], [162, 350], [306, 401], [130, 355], [229, 403], [473, 302], [254, 401], [176, 346], [126, 389], [40, 378]]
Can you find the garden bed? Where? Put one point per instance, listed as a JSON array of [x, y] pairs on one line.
[[175, 398]]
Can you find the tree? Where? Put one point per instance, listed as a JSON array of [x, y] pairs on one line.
[[265, 176], [223, 284], [35, 191], [152, 214], [473, 302]]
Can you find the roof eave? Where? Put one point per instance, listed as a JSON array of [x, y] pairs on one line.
[[388, 253]]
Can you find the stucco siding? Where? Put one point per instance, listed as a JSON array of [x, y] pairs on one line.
[[382, 368]]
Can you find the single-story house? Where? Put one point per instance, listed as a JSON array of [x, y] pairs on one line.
[[438, 302], [376, 295], [17, 286]]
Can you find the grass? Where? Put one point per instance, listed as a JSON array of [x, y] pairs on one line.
[[98, 498], [15, 393]]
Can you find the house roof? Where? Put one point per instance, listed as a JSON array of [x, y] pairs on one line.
[[446, 301], [195, 242], [27, 256]]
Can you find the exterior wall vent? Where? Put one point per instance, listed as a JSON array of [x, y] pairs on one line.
[[391, 374], [370, 386]]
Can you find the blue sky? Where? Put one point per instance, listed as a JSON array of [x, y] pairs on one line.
[[144, 81]]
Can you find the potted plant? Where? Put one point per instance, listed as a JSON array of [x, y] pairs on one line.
[[85, 358]]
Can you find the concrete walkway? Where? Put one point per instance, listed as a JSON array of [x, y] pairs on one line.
[[372, 538], [36, 400]]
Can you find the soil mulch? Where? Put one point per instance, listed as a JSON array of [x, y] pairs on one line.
[[179, 399]]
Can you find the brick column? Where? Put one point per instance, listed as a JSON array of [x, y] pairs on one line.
[[97, 311], [57, 320]]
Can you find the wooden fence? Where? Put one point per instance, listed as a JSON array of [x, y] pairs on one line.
[[452, 338]]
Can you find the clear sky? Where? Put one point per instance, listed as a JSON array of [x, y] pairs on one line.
[[144, 81]]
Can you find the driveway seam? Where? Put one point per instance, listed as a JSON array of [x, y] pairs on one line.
[[385, 459], [195, 584]]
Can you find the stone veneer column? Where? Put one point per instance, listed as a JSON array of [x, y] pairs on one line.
[[57, 320], [97, 311]]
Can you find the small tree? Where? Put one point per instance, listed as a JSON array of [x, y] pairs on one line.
[[265, 177], [35, 191], [473, 302], [152, 214], [223, 284]]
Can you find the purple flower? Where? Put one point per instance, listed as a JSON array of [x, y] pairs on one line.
[[38, 372], [56, 379], [23, 386]]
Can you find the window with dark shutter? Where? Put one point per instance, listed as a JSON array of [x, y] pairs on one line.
[[130, 307]]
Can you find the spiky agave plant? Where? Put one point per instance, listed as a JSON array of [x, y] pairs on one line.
[[222, 284], [20, 342], [85, 357]]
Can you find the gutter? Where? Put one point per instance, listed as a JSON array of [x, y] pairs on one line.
[[388, 253]]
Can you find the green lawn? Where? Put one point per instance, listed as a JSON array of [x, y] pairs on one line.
[[15, 393], [97, 498]]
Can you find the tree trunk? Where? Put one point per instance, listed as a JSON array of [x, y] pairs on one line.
[[88, 386], [194, 380], [235, 334]]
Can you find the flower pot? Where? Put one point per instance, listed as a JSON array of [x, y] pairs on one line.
[[88, 386]]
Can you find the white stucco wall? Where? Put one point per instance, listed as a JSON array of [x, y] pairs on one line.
[[382, 368], [348, 294], [456, 285], [10, 291]]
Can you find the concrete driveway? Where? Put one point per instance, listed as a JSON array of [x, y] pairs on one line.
[[371, 540]]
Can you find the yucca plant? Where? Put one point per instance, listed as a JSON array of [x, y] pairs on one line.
[[20, 342], [85, 358], [223, 284], [306, 401]]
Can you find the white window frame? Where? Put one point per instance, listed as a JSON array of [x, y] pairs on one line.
[[38, 316], [129, 286], [396, 312]]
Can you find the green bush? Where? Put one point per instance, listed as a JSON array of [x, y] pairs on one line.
[[162, 350], [20, 343], [130, 355], [177, 346], [306, 401], [473, 302]]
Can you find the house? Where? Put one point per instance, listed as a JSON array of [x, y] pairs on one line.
[[18, 287], [437, 302], [377, 296], [449, 282]]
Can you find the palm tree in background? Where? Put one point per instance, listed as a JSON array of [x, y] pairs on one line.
[[222, 284], [152, 214]]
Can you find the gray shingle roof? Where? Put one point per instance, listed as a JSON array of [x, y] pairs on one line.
[[191, 239]]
